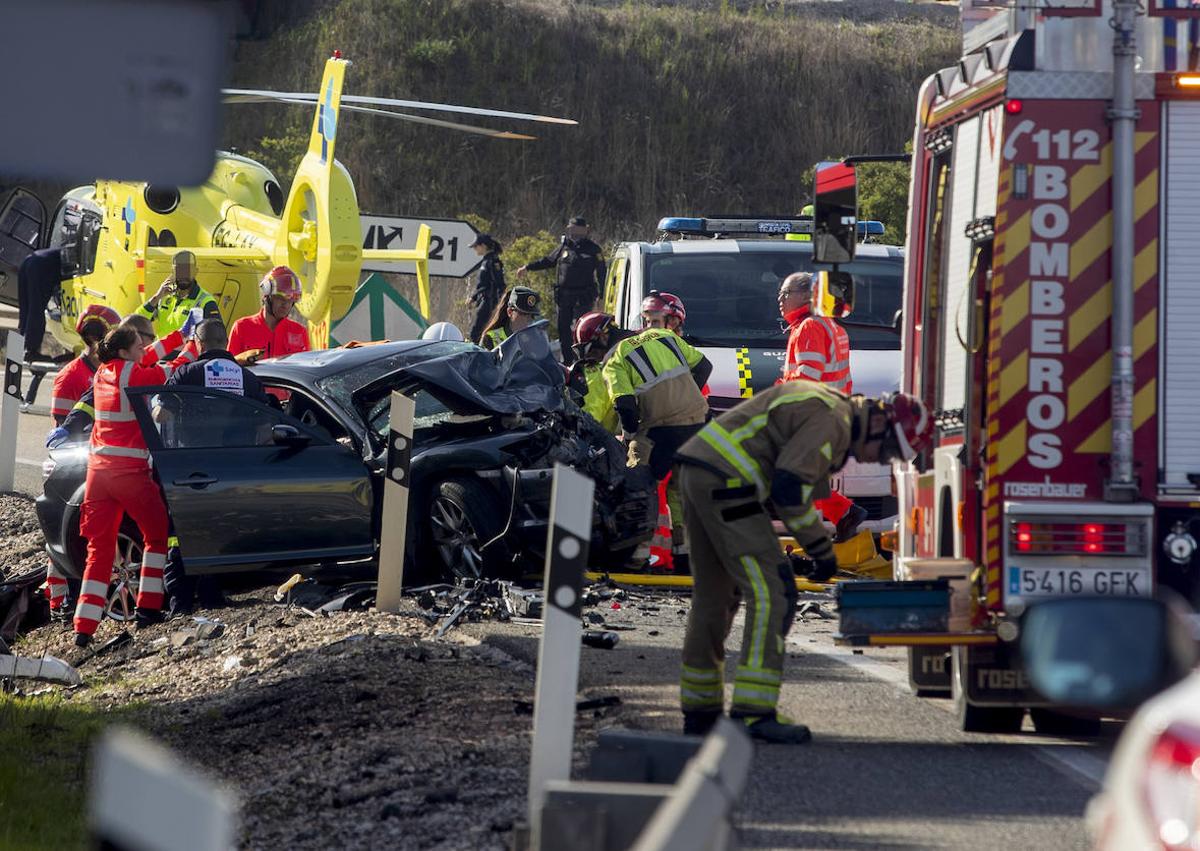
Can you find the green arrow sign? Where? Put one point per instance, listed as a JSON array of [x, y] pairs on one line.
[[378, 312]]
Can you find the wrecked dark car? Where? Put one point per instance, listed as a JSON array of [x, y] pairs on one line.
[[250, 486]]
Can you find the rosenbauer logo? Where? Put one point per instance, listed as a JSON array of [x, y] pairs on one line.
[[1049, 273]]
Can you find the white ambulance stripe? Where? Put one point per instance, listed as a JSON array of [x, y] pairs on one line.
[[97, 589], [150, 585], [88, 612]]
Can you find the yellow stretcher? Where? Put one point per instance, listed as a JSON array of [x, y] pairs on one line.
[[858, 556]]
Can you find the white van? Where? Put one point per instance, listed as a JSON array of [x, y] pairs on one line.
[[728, 271]]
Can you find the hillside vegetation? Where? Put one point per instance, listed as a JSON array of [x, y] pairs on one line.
[[681, 110]]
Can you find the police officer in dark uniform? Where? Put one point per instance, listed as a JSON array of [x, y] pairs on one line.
[[490, 285], [581, 270]]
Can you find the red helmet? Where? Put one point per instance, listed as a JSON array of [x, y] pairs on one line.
[[590, 326], [911, 423], [280, 281], [674, 306], [655, 303], [101, 313]]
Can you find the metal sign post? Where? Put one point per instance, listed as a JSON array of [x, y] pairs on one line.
[[394, 525], [10, 409], [558, 656]]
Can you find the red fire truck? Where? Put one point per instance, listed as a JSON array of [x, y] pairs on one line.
[[1051, 319]]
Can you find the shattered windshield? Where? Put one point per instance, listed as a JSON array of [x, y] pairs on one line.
[[731, 297], [340, 386]]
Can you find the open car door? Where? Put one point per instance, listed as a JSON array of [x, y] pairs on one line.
[[22, 219], [249, 485]]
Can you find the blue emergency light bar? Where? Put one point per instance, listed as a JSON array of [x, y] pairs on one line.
[[758, 226]]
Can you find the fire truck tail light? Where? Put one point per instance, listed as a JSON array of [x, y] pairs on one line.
[[1014, 106], [1172, 787], [1068, 538], [1188, 81]]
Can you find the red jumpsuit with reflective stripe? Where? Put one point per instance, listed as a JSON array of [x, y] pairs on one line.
[[819, 350], [119, 482], [72, 381]]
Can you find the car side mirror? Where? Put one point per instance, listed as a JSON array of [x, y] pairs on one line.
[[835, 213], [1106, 653], [288, 435]]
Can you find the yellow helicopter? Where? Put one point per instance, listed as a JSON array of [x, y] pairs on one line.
[[118, 238]]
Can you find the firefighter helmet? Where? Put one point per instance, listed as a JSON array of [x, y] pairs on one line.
[[911, 425], [674, 306], [100, 313], [280, 281], [590, 326], [654, 303]]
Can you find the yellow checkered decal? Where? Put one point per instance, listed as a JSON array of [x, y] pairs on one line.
[[744, 374]]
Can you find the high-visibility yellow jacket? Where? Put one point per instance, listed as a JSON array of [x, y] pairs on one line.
[[654, 367], [785, 441], [172, 310], [597, 402]]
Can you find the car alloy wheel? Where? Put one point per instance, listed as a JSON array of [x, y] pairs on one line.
[[456, 539], [123, 588]]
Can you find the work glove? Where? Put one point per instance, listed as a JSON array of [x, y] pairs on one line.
[[823, 569], [56, 436], [193, 319]]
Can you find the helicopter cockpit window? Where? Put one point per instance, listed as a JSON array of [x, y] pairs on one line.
[[65, 235], [89, 241]]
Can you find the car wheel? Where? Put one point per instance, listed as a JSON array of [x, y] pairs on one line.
[[127, 567], [464, 516]]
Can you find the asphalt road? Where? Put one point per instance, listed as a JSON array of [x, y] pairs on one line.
[[31, 441], [885, 769]]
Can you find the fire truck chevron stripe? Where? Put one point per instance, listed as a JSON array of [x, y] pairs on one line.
[[1099, 442], [1010, 449], [1096, 378], [1098, 307], [1013, 377], [1090, 178], [1010, 319]]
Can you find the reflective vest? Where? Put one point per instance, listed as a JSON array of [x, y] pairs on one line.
[[597, 402], [69, 386], [116, 438], [655, 367], [822, 353], [495, 337], [172, 311]]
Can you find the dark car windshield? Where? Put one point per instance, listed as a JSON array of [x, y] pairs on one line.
[[731, 297], [341, 385]]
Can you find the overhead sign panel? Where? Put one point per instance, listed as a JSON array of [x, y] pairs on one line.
[[450, 252]]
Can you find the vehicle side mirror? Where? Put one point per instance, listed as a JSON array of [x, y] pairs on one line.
[[288, 435], [1106, 653], [835, 213]]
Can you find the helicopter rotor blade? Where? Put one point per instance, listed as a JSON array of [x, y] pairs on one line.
[[415, 119], [260, 95]]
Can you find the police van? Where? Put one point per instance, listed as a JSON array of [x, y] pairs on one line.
[[727, 270]]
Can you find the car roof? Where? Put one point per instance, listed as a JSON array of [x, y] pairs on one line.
[[306, 367], [751, 246]]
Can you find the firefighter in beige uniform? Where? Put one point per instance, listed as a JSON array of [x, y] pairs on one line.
[[780, 445], [654, 380]]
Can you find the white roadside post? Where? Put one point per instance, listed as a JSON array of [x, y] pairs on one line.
[[10, 409], [176, 809], [394, 524], [562, 632]]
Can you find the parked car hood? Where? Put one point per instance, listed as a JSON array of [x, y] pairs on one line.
[[521, 376]]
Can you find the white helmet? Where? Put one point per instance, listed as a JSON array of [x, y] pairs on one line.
[[442, 331]]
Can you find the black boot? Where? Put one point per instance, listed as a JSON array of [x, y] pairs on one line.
[[699, 723], [82, 639], [774, 730], [683, 564], [847, 527], [147, 617]]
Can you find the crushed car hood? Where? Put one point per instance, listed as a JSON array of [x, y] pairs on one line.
[[522, 376]]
